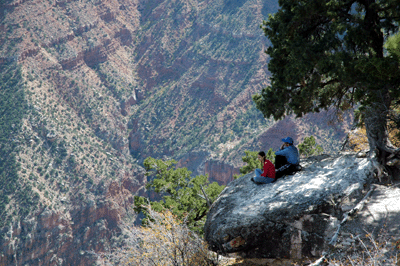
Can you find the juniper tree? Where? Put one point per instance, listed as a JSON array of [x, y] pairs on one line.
[[332, 54], [310, 147], [186, 196]]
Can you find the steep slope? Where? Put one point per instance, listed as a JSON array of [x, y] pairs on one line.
[[90, 88], [200, 63], [73, 178]]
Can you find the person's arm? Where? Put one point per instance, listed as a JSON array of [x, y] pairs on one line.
[[297, 155], [268, 170], [292, 155], [271, 170], [282, 152], [265, 170]]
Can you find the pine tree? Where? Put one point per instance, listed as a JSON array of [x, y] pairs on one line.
[[332, 53], [187, 197], [310, 147]]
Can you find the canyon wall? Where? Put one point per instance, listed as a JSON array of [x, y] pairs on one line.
[[107, 83]]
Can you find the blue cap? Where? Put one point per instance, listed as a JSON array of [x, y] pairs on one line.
[[288, 140]]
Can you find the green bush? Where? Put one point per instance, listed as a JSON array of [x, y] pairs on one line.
[[188, 197], [309, 147]]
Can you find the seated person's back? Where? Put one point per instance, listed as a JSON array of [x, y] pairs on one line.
[[287, 158]]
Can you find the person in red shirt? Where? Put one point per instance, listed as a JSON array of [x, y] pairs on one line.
[[267, 175]]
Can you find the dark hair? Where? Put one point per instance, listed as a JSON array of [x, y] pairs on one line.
[[262, 154]]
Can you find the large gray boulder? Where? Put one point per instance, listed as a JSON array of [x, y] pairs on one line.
[[292, 218]]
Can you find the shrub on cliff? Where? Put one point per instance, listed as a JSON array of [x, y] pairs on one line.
[[310, 147], [164, 240], [187, 197], [364, 250]]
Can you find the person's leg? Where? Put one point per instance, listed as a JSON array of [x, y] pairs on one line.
[[269, 180], [292, 169], [258, 172], [280, 161], [257, 176], [283, 170], [263, 180]]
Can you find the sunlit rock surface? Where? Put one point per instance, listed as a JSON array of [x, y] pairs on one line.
[[293, 217]]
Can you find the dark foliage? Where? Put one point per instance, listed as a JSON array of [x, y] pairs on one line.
[[331, 53]]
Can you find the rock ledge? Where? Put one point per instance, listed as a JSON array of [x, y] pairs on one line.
[[291, 218]]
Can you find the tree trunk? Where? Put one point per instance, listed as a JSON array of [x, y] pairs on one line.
[[375, 118]]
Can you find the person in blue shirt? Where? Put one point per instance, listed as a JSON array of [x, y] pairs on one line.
[[287, 158]]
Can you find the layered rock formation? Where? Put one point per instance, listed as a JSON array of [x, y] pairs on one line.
[[73, 234], [299, 216], [201, 163], [107, 83]]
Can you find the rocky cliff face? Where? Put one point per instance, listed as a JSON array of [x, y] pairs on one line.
[[106, 83], [73, 232]]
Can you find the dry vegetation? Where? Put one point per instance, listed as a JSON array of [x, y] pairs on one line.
[[358, 140], [165, 240], [366, 250]]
